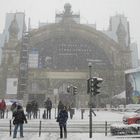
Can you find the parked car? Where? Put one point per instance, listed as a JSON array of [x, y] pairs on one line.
[[131, 119], [130, 125]]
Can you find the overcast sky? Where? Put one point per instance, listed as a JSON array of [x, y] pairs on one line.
[[91, 11]]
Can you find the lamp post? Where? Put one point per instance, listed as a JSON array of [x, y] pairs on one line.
[[90, 103], [55, 101]]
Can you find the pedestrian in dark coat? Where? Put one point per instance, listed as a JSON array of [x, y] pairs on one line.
[[60, 106], [29, 110], [62, 119], [48, 106], [71, 111], [35, 109], [19, 119]]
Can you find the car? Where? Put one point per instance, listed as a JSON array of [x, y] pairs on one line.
[[131, 119], [129, 126]]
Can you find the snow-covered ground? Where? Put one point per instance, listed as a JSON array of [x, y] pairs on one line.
[[101, 116], [53, 136]]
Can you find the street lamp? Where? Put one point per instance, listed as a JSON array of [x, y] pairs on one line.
[[90, 103], [55, 100]]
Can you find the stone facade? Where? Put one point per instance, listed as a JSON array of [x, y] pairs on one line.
[[63, 51]]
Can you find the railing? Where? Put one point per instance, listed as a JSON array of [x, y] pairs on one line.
[[39, 125], [44, 126]]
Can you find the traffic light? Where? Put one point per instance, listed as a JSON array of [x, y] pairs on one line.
[[97, 81], [75, 91], [72, 90], [93, 85], [90, 85]]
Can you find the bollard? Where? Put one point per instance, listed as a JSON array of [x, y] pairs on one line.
[[10, 128], [82, 113], [105, 128], [40, 129]]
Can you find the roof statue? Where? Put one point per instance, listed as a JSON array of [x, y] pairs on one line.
[[67, 14], [67, 11]]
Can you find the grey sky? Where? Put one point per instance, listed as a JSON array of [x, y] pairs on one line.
[[91, 11]]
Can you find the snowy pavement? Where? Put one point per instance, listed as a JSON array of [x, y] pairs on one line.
[[101, 116], [71, 136]]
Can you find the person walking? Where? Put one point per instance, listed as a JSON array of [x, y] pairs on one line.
[[2, 108], [71, 111], [35, 109], [62, 119], [29, 110], [48, 106], [19, 119], [60, 106]]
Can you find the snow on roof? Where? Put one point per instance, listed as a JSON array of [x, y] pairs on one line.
[[122, 95], [132, 70]]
